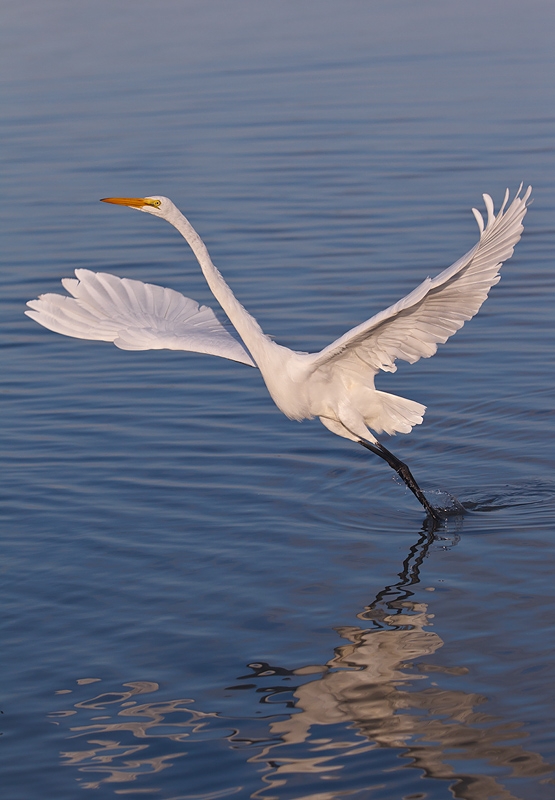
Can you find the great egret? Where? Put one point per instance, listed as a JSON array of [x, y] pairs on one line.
[[336, 384]]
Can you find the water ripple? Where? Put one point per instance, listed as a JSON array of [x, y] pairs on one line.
[[495, 498]]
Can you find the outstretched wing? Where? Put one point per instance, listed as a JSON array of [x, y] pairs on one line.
[[134, 316], [435, 310]]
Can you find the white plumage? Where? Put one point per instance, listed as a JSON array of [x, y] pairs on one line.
[[135, 316], [438, 307], [336, 384]]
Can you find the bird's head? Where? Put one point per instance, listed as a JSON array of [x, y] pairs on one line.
[[157, 205]]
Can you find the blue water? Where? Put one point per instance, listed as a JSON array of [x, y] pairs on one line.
[[200, 598]]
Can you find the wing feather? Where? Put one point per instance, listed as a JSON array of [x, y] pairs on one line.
[[134, 316], [413, 327]]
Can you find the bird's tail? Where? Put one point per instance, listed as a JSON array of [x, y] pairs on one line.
[[398, 415]]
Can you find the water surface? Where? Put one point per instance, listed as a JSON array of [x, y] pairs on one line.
[[202, 599]]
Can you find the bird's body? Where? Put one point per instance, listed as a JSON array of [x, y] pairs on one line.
[[337, 384]]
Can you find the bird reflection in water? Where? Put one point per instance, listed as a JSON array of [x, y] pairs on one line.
[[326, 723]]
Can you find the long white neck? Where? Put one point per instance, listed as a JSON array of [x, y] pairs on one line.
[[246, 326]]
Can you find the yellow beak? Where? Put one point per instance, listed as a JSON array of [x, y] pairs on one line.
[[134, 202]]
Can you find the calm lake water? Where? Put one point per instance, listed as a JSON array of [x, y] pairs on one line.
[[200, 598]]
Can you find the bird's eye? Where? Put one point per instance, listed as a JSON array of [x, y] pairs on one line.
[[157, 203]]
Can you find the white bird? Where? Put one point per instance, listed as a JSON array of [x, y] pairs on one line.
[[336, 384]]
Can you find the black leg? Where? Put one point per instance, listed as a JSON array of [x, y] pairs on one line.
[[404, 472]]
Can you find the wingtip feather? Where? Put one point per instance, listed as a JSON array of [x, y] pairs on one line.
[[479, 219], [490, 209]]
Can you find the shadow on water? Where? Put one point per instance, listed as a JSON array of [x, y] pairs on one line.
[[375, 710]]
